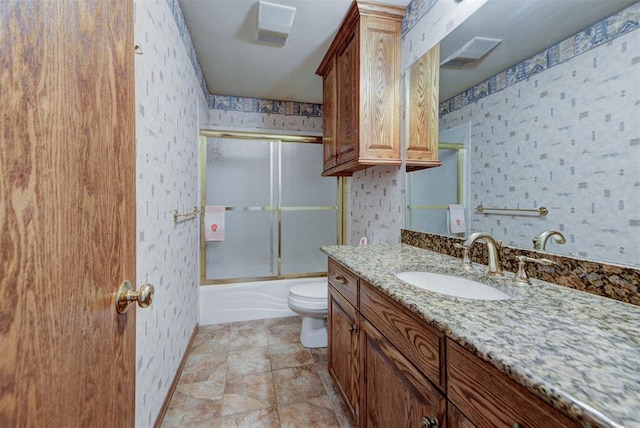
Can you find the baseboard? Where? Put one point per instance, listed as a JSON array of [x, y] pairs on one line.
[[176, 378]]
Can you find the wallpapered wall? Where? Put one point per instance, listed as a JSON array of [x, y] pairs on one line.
[[170, 103], [565, 136]]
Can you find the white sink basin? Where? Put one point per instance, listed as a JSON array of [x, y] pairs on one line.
[[452, 285]]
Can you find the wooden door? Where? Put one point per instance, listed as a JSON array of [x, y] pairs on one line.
[[394, 393], [67, 213], [342, 353]]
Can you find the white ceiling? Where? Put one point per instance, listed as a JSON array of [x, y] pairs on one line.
[[234, 63]]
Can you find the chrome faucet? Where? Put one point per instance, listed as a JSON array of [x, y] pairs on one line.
[[492, 248], [540, 241]]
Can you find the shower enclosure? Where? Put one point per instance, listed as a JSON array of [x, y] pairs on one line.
[[278, 209]]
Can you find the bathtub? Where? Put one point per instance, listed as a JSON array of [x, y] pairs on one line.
[[247, 300]]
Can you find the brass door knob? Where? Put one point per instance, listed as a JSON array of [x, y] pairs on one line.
[[127, 294]]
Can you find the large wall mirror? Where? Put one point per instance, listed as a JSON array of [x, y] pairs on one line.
[[550, 116]]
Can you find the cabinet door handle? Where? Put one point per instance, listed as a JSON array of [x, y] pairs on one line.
[[517, 425], [341, 279], [430, 422], [353, 328]]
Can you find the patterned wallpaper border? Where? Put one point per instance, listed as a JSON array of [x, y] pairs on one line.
[[604, 31], [416, 9], [178, 16], [607, 280], [257, 105]]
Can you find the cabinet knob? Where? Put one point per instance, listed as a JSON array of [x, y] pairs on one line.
[[516, 425], [430, 422], [353, 328]]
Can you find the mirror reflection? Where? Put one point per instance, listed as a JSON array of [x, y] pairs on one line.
[[548, 118]]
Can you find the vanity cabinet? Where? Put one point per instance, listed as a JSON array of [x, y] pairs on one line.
[[380, 385], [394, 369], [488, 398], [422, 111], [361, 90]]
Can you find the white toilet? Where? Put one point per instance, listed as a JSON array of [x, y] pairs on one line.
[[309, 300]]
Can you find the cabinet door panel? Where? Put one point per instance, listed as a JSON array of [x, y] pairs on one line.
[[380, 91], [328, 117], [394, 393], [342, 355], [348, 96], [422, 139]]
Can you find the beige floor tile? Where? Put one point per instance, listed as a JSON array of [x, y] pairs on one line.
[[262, 418], [205, 367], [292, 355], [247, 393], [248, 334], [342, 412], [325, 377], [294, 319], [283, 334], [189, 410], [211, 340], [255, 374], [297, 384], [319, 355], [316, 412], [248, 360]]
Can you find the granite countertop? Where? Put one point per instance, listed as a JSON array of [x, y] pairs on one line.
[[577, 351]]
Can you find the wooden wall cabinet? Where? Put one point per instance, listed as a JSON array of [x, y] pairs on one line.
[[422, 103], [361, 90], [393, 369]]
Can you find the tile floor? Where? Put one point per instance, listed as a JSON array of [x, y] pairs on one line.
[[255, 374]]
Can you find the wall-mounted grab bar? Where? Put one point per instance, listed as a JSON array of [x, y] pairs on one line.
[[189, 215], [542, 211]]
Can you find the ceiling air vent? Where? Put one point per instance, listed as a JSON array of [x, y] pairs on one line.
[[472, 51], [274, 22]]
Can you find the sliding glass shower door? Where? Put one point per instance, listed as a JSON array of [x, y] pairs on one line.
[[278, 209]]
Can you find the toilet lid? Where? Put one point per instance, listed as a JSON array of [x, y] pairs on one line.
[[310, 291]]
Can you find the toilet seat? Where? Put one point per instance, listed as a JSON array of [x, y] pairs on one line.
[[312, 291]]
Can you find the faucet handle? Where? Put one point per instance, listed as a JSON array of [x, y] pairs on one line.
[[466, 259], [521, 274]]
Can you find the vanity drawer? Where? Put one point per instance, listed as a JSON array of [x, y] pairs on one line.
[[344, 281], [419, 342], [488, 398]]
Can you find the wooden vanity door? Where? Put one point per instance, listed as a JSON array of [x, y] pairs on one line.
[[342, 353], [393, 392]]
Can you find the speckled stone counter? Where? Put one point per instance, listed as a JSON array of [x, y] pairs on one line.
[[577, 351]]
